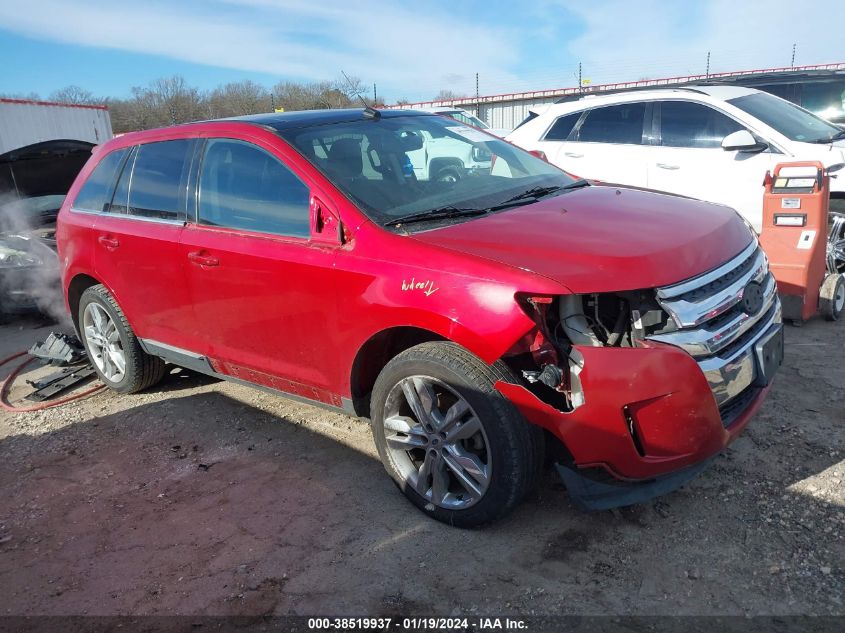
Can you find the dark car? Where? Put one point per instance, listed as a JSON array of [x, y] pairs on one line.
[[33, 183]]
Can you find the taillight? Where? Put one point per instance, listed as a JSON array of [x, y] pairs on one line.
[[539, 154]]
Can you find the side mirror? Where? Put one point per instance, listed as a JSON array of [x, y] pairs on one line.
[[742, 141], [326, 227]]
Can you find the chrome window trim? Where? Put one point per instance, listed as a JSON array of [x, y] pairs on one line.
[[124, 216]]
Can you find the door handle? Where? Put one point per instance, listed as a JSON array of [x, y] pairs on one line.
[[109, 242], [203, 259], [573, 155], [665, 166]]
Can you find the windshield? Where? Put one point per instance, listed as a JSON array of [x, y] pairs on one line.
[[793, 122], [393, 167]]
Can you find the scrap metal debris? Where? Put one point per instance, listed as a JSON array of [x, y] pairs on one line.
[[60, 350], [61, 381]]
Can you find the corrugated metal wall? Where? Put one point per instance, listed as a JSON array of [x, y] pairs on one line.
[[26, 123]]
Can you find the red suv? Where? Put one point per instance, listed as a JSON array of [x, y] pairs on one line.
[[480, 322]]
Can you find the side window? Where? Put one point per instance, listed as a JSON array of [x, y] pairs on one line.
[[687, 124], [120, 200], [244, 187], [159, 179], [562, 127], [96, 192], [621, 124]]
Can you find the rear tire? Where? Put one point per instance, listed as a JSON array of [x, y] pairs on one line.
[[455, 446], [449, 174], [112, 347], [832, 297]]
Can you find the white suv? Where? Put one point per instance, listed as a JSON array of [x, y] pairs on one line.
[[714, 143]]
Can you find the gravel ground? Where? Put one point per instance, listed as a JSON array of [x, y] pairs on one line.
[[203, 497]]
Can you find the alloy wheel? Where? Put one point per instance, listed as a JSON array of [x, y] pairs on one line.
[[437, 442], [103, 341]]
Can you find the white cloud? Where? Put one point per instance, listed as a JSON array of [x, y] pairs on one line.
[[626, 40], [415, 49], [287, 38]]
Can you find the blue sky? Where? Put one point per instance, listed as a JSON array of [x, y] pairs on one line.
[[410, 49]]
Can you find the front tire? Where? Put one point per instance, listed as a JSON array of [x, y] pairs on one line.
[[457, 448], [112, 347]]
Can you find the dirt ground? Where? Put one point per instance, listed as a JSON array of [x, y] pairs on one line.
[[203, 497]]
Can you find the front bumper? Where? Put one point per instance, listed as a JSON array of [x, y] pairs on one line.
[[648, 411]]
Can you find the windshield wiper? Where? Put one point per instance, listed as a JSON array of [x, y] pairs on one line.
[[435, 214], [835, 137], [526, 197], [535, 193]]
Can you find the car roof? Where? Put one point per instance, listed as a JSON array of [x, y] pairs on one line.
[[306, 118], [721, 93]]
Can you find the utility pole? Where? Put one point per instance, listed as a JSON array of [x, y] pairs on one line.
[[708, 64], [375, 95], [579, 77], [793, 55], [476, 87]]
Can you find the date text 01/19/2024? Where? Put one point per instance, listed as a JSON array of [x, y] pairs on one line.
[[417, 624]]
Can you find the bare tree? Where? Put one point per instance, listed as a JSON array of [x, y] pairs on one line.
[[447, 95], [75, 95], [25, 96], [238, 99], [403, 101], [170, 100], [313, 96]]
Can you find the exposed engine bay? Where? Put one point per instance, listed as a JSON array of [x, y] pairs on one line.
[[552, 365]]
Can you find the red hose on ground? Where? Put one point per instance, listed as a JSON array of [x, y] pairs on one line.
[[7, 384]]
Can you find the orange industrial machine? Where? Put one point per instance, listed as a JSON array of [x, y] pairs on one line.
[[794, 237]]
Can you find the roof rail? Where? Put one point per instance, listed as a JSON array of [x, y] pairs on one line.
[[589, 95]]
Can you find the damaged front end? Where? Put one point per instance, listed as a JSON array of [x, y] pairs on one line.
[[642, 388]]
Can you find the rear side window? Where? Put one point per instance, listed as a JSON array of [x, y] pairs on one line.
[[621, 124], [244, 187], [562, 127], [120, 200], [687, 124], [159, 180], [96, 192]]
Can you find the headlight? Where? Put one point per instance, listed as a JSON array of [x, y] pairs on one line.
[[15, 253]]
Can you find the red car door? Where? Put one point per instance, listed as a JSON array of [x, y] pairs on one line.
[[137, 242], [262, 289]]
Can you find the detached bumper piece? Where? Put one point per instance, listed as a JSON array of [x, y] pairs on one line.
[[590, 495], [59, 349], [59, 382]]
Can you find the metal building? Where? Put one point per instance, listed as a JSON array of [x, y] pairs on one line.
[[828, 82], [24, 123]]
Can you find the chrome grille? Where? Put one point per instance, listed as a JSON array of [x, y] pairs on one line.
[[713, 326]]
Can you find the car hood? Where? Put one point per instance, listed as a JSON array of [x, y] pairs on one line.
[[603, 239], [42, 169]]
